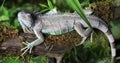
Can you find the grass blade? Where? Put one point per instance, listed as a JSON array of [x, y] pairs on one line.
[[50, 4]]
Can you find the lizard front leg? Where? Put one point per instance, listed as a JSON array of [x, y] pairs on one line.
[[82, 32], [38, 41], [29, 46]]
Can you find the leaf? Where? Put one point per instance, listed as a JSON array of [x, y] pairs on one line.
[[38, 59], [50, 4], [13, 10], [4, 11], [44, 10], [81, 13], [43, 5], [4, 18], [11, 60], [16, 23], [46, 7], [115, 28], [54, 1], [4, 14], [85, 3]]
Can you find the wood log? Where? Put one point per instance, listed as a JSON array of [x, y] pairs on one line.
[[60, 44]]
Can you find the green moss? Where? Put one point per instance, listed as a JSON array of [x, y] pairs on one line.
[[103, 10]]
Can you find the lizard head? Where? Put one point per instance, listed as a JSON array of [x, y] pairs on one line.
[[26, 18]]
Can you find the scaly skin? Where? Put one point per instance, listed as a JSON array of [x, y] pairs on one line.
[[56, 24]]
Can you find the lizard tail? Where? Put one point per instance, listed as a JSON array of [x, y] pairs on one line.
[[110, 37], [112, 45]]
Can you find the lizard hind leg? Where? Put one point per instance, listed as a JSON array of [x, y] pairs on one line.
[[82, 32]]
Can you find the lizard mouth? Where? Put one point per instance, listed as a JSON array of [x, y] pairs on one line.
[[27, 28]]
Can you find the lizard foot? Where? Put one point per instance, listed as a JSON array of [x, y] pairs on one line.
[[51, 47], [29, 47], [48, 48]]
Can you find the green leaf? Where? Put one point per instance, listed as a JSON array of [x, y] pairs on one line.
[[16, 23], [4, 14], [81, 13], [4, 11], [50, 4], [47, 7], [43, 5], [39, 59], [44, 10], [13, 10], [115, 28], [85, 3], [75, 5], [11, 60], [4, 18], [54, 1]]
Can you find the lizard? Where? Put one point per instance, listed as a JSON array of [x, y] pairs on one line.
[[60, 23]]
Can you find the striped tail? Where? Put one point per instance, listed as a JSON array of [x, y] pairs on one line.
[[112, 45], [109, 35]]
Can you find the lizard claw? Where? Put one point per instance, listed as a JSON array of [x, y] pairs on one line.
[[29, 47], [49, 48], [46, 46]]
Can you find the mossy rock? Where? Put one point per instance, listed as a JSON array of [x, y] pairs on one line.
[[103, 10]]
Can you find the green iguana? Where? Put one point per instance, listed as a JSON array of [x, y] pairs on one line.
[[55, 23]]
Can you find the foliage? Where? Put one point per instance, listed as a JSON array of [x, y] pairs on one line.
[[116, 2], [11, 60], [115, 28], [40, 59], [47, 7], [3, 14], [96, 52], [6, 16], [28, 60]]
